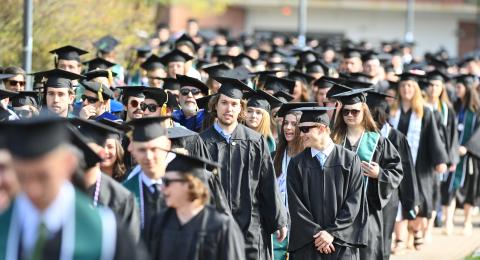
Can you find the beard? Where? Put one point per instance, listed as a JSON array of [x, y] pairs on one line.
[[190, 109]]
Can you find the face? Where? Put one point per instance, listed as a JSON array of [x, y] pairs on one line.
[[91, 98], [134, 110], [329, 55], [153, 76], [176, 193], [311, 137], [151, 104], [8, 180], [460, 90], [297, 91], [371, 67], [435, 88], [151, 155], [110, 151], [70, 65], [322, 95], [187, 98], [392, 93], [254, 117], [355, 115], [406, 90], [176, 67], [192, 28], [58, 100], [228, 110], [289, 127], [214, 86], [352, 65], [16, 83], [24, 111], [41, 178]]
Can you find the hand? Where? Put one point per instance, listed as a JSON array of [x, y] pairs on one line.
[[371, 170], [462, 150], [87, 111], [282, 234], [452, 168], [441, 168], [323, 240]]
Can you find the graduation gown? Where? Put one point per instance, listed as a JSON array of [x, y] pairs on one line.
[[208, 235], [331, 198], [248, 179], [430, 153], [121, 201], [379, 191]]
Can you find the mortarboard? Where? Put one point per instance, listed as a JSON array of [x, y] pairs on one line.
[[437, 75], [98, 63], [243, 59], [353, 96], [34, 137], [314, 114], [232, 88], [202, 102], [186, 81], [24, 98], [352, 53], [177, 132], [306, 56], [216, 70], [68, 52], [300, 76], [358, 76], [170, 84], [185, 39], [316, 67], [466, 79], [196, 166], [132, 91], [58, 78], [106, 73], [6, 76], [240, 73], [175, 56], [103, 91], [90, 157], [336, 89], [157, 94], [277, 84], [261, 99], [378, 100], [410, 76], [148, 128], [95, 132], [143, 51], [370, 55], [106, 44], [285, 108], [324, 82], [278, 65], [7, 94], [152, 62], [283, 96]]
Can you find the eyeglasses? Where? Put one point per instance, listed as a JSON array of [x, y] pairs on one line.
[[166, 181], [134, 103], [15, 82], [150, 107], [90, 100], [354, 112], [22, 113], [306, 129], [185, 91]]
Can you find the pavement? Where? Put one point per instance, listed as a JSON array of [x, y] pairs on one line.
[[453, 247]]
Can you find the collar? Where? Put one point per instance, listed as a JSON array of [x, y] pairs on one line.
[[222, 132], [327, 151]]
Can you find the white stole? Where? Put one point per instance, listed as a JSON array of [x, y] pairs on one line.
[[413, 133]]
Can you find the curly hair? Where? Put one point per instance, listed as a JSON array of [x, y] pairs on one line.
[[197, 189], [213, 111]]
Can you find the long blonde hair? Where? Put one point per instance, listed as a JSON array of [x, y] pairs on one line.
[[340, 127], [264, 126], [417, 100]]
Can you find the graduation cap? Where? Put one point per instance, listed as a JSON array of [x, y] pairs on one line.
[[170, 84], [68, 52], [6, 76], [267, 72], [106, 44], [7, 94], [336, 89], [148, 128], [240, 73], [243, 59], [438, 64], [370, 55], [359, 76], [175, 56], [24, 98], [187, 40], [98, 63], [277, 84], [152, 62], [95, 132], [353, 96], [196, 166], [34, 137], [393, 84], [177, 132], [437, 75], [132, 91], [466, 79], [232, 88], [283, 96], [106, 73], [117, 124], [90, 157], [349, 53], [317, 67], [300, 76], [324, 82], [58, 78], [103, 91], [378, 100], [278, 65], [224, 58], [261, 99], [143, 51], [216, 70], [306, 56], [314, 114], [159, 95], [285, 108], [202, 102], [186, 81], [410, 76]]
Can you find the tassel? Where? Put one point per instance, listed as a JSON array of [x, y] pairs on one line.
[[99, 93], [110, 78], [163, 111]]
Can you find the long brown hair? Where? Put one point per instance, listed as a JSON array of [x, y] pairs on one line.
[[213, 111], [296, 144], [471, 99], [417, 100], [443, 98], [340, 127], [118, 168]]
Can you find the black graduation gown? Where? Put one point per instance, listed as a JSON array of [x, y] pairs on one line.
[[121, 201], [431, 152], [248, 179], [208, 235], [153, 204], [379, 192], [331, 198], [406, 192]]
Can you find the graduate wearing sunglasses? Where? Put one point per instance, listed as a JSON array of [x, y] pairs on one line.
[[356, 130], [190, 116]]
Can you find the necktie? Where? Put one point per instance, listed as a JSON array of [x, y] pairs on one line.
[[321, 158], [40, 243], [156, 189]]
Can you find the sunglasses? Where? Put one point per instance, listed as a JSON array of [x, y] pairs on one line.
[[134, 103], [166, 181], [306, 129], [185, 91], [354, 112], [14, 83], [150, 107], [23, 113], [90, 100]]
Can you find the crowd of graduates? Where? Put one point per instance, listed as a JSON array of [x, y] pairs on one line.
[[250, 147]]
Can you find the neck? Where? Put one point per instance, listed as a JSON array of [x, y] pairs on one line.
[[406, 105], [91, 175], [154, 175], [228, 128], [188, 211], [107, 170], [323, 143], [355, 130]]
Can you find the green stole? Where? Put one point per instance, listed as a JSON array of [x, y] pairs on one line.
[[78, 239], [468, 127], [366, 148], [134, 185]]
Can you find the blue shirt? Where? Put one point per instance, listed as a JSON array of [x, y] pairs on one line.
[[224, 134], [193, 123]]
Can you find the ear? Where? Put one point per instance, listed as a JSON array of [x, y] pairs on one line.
[[71, 99]]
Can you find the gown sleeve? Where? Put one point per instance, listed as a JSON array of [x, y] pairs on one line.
[[435, 144], [232, 243], [408, 189], [391, 172]]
